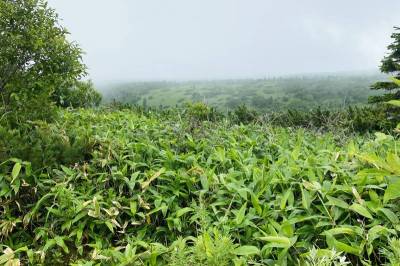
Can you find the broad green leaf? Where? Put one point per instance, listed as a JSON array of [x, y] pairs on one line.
[[339, 231], [60, 242], [287, 229], [246, 251], [375, 174], [374, 160], [181, 212], [277, 241], [67, 170], [147, 183], [204, 182], [393, 160], [360, 210], [357, 195], [378, 231], [337, 202], [110, 226], [133, 207], [392, 192], [15, 171], [390, 215], [340, 246], [305, 198], [240, 215], [256, 204], [313, 186], [285, 199]]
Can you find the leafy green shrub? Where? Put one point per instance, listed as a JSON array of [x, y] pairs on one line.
[[82, 94], [36, 60], [353, 119], [392, 252], [368, 119], [199, 111], [46, 145], [242, 114], [318, 257], [211, 249]]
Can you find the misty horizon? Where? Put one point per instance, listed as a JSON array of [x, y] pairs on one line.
[[208, 40]]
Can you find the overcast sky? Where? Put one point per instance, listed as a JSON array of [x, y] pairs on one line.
[[216, 39]]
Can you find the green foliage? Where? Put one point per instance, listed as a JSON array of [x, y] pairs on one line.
[[390, 65], [242, 114], [201, 112], [81, 94], [46, 145], [36, 60], [350, 120], [324, 257], [148, 190], [392, 252], [207, 249], [395, 103]]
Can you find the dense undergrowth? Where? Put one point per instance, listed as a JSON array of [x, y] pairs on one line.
[[128, 187]]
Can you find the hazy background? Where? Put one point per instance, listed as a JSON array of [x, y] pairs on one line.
[[217, 39]]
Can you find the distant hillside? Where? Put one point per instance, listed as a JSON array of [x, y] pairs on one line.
[[305, 92]]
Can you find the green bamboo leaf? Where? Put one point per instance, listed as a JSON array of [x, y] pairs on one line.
[[246, 251], [305, 198], [277, 241], [15, 171], [392, 192], [67, 170], [240, 215], [49, 244], [287, 229], [390, 215], [360, 210], [181, 212], [256, 204], [339, 231], [393, 160], [285, 199], [204, 182], [340, 246], [337, 202], [60, 242], [147, 183], [110, 226], [378, 231], [133, 207]]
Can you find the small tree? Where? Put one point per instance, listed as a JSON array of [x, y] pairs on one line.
[[81, 94], [390, 65], [36, 59]]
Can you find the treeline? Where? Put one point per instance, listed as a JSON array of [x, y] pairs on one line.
[[264, 95]]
